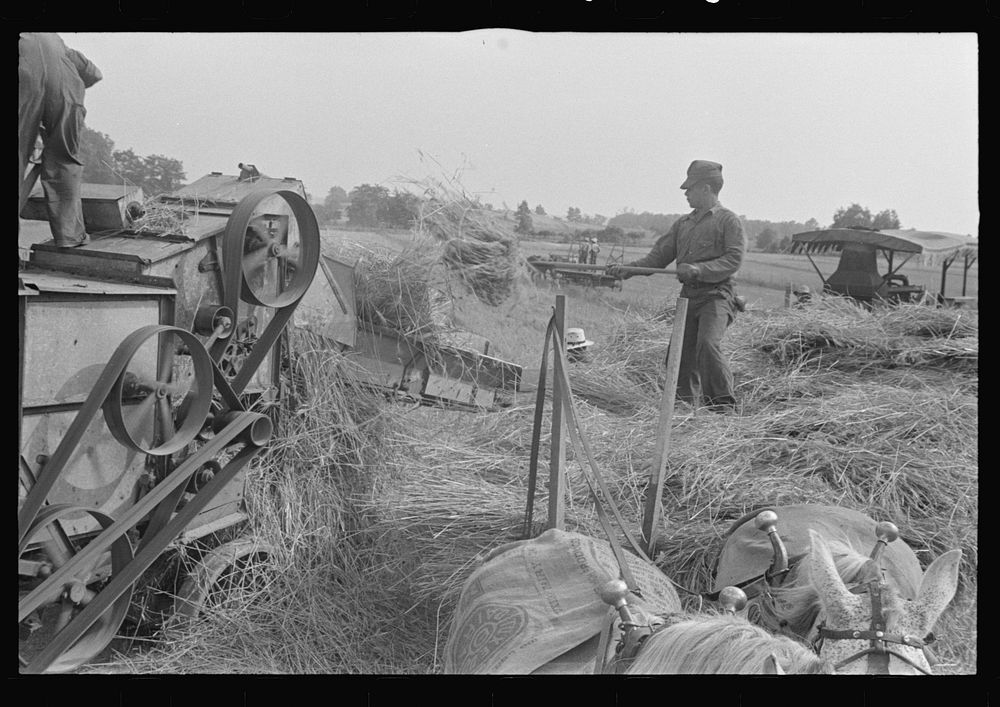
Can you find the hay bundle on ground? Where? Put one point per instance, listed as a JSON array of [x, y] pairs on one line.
[[835, 333]]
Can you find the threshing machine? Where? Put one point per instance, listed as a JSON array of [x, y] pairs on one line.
[[150, 368]]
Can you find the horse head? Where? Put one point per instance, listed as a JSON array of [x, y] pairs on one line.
[[873, 629]]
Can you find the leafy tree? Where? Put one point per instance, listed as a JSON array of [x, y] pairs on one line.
[[853, 215], [766, 239], [96, 150], [368, 205], [540, 210], [401, 209], [811, 225], [857, 215], [323, 214], [886, 219], [335, 199], [598, 220], [156, 174], [573, 214], [524, 224]]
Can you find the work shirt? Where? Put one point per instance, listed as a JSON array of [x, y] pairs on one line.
[[712, 239]]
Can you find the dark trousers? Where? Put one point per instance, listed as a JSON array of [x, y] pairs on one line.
[[704, 372], [50, 98]]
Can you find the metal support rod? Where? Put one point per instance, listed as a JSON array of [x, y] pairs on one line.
[[651, 513], [557, 452], [587, 266], [965, 272], [788, 295], [944, 274]]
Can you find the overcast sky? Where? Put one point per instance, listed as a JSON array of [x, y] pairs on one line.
[[802, 123]]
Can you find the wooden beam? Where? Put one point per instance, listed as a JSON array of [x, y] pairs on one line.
[[651, 513]]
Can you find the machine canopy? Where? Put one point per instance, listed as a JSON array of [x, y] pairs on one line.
[[934, 244]]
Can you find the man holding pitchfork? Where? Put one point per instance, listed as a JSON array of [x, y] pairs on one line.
[[708, 245]]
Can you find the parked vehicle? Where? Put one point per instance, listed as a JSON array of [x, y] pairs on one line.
[[857, 274]]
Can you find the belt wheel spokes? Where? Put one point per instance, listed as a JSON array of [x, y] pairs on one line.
[[160, 414], [276, 267], [49, 549]]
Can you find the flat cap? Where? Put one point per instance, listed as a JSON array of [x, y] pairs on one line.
[[699, 170]]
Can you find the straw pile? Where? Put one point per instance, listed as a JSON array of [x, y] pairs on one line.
[[477, 245], [836, 333], [806, 434], [324, 607], [404, 291], [163, 218]]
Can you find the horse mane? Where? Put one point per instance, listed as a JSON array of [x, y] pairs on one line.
[[720, 644], [796, 601]]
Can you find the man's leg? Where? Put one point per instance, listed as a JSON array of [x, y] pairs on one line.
[[714, 317], [29, 109], [62, 170]]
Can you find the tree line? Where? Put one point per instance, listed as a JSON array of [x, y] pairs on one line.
[[374, 206], [103, 164], [764, 235]]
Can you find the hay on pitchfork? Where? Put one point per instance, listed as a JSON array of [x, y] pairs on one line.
[[478, 245], [404, 291]]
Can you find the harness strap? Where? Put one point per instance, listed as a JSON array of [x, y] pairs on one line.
[[878, 663], [869, 635], [877, 652]]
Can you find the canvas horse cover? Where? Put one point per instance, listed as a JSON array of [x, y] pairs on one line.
[[536, 601], [747, 552]]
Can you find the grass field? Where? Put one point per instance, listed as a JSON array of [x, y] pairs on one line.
[[377, 512]]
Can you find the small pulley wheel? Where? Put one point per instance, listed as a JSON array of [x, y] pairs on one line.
[[48, 549], [143, 405]]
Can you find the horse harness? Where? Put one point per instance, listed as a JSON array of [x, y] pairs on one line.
[[878, 650]]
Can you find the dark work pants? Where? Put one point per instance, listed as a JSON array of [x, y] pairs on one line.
[[704, 374], [50, 96]]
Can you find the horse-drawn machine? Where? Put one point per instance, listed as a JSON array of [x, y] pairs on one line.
[[568, 268], [153, 363], [857, 274]]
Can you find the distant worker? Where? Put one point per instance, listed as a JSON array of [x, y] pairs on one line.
[[803, 295], [593, 250], [584, 249], [577, 344], [51, 81], [248, 172], [708, 245]]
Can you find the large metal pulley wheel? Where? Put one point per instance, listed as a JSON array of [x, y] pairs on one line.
[[48, 549], [148, 399], [277, 268]]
